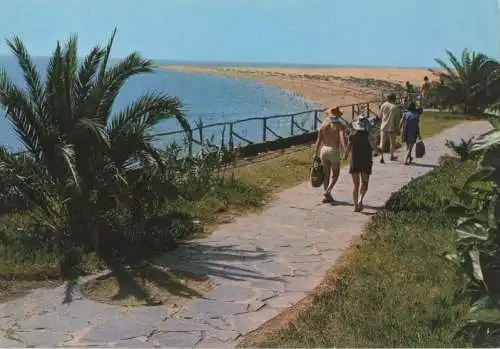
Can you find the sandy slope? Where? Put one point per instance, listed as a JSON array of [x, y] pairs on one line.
[[328, 86]]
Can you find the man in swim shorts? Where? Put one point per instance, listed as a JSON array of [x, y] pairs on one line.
[[329, 145]]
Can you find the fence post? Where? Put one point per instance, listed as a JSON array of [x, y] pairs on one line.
[[264, 129], [315, 123], [231, 139], [190, 143], [353, 112], [200, 131], [291, 125]]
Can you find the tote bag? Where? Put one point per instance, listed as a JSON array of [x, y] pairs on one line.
[[316, 176], [419, 149]]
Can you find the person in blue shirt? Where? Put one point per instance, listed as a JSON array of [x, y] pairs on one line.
[[410, 129]]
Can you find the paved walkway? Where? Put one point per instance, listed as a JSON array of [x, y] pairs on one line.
[[260, 264]]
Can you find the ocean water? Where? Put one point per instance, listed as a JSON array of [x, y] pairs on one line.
[[206, 98]]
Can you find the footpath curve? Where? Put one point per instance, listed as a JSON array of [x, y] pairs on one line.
[[261, 264]]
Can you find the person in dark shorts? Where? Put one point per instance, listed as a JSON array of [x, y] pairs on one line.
[[410, 129], [361, 146]]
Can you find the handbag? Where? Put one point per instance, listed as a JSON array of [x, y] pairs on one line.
[[419, 149], [316, 176]]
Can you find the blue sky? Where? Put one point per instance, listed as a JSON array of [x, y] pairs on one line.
[[333, 32]]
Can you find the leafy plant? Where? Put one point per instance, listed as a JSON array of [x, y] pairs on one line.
[[81, 161], [463, 149], [477, 257]]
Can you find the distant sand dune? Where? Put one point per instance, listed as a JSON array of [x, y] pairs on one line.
[[327, 86]]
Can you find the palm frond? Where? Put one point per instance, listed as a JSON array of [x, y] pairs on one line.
[[107, 53], [70, 68], [107, 89], [67, 156], [147, 111], [53, 86], [7, 160], [92, 130], [488, 140], [31, 75], [450, 73], [86, 75], [21, 114]]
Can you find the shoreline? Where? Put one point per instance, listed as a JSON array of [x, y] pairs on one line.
[[327, 87]]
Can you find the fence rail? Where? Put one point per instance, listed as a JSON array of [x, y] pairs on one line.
[[238, 133], [236, 138]]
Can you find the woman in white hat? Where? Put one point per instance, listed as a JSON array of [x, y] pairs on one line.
[[361, 145]]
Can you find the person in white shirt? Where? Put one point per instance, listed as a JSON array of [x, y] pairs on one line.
[[390, 114]]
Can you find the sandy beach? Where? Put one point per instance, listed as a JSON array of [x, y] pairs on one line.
[[326, 86]]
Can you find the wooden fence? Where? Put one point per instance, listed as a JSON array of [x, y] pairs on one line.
[[234, 134]]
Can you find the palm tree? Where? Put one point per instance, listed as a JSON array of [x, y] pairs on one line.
[[80, 159], [470, 82]]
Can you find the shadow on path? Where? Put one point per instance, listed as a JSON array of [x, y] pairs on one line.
[[132, 283], [341, 203], [375, 208], [224, 261], [423, 165], [194, 260]]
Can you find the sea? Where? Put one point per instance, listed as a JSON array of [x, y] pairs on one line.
[[206, 99]]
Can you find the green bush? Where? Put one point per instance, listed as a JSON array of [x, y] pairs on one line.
[[477, 251]]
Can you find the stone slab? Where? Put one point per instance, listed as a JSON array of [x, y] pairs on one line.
[[122, 329], [176, 339]]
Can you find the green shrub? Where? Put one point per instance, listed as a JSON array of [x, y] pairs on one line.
[[463, 149]]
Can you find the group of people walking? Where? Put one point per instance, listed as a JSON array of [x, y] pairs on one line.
[[332, 145]]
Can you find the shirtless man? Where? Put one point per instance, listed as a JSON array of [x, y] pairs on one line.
[[330, 143]]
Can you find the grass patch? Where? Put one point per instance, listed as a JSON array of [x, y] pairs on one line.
[[396, 291], [28, 258]]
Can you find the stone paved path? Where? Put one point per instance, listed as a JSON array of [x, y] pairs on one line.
[[260, 264]]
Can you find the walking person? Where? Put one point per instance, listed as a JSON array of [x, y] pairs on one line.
[[329, 145], [409, 93], [424, 91], [390, 114], [360, 146], [410, 129]]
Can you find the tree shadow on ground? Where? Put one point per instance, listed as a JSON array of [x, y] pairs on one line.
[[129, 284], [224, 261], [196, 262]]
